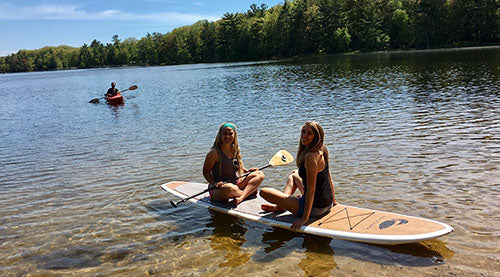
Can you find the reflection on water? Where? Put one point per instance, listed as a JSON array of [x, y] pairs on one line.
[[411, 132], [318, 257], [228, 237], [318, 253], [319, 260], [423, 253]]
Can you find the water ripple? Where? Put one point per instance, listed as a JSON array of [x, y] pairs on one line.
[[410, 133]]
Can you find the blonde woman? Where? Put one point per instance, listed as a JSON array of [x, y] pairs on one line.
[[223, 165], [312, 179]]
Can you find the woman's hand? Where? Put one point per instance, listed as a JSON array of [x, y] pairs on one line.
[[298, 223], [219, 185], [250, 170]]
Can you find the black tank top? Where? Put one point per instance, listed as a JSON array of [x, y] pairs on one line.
[[323, 191]]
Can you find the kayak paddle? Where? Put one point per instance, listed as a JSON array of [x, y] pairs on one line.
[[282, 157]]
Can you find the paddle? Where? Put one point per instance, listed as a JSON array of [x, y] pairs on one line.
[[96, 100], [282, 157]]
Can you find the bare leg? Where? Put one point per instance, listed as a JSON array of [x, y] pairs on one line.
[[249, 185], [293, 183], [226, 192], [280, 200], [272, 208]]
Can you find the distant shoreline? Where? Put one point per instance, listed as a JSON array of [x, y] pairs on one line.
[[352, 53]]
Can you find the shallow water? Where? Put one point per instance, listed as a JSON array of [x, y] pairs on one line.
[[416, 133]]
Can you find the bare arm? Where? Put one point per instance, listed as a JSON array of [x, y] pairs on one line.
[[210, 160], [332, 187], [311, 165]]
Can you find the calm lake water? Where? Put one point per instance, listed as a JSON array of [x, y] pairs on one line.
[[416, 133]]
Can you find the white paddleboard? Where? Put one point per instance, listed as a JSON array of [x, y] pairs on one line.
[[342, 222]]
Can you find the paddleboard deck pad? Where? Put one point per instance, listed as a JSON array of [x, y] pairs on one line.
[[342, 222]]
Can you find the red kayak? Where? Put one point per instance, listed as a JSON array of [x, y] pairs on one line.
[[115, 99]]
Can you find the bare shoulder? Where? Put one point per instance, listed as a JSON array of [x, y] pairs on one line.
[[312, 157], [212, 154]]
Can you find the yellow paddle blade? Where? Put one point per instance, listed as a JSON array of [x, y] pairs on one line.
[[281, 158]]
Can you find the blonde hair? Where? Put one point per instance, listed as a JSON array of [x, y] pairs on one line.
[[316, 145], [236, 148]]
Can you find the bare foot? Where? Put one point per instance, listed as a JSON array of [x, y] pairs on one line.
[[271, 208], [237, 201]]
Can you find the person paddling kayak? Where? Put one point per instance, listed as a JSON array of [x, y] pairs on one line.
[[112, 91], [113, 95]]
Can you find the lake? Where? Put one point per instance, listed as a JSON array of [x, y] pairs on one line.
[[414, 132]]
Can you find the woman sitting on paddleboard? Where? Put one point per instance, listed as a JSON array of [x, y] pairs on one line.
[[313, 180], [223, 164]]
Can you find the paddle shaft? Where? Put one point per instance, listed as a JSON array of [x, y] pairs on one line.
[[249, 172], [174, 204]]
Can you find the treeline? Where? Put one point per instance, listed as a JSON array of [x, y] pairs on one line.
[[294, 28]]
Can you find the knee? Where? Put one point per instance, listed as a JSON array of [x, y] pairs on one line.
[[260, 175], [229, 187], [265, 192], [233, 191]]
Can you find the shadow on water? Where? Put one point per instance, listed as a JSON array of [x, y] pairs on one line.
[[72, 257], [280, 244], [228, 237], [77, 257], [319, 255], [181, 222]]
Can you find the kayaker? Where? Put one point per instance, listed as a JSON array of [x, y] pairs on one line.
[[112, 90], [223, 164], [312, 179]]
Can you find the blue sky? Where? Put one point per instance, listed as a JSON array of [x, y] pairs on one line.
[[33, 24]]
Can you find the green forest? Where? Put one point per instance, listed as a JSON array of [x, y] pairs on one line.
[[291, 29]]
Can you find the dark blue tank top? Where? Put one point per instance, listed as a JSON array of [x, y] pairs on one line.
[[323, 191]]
